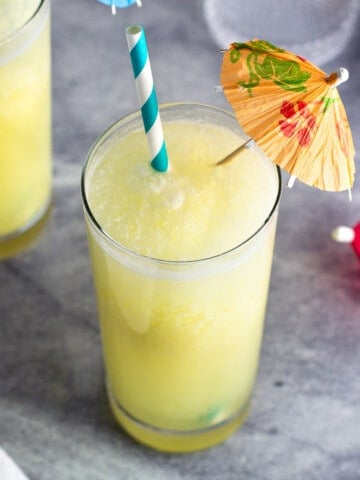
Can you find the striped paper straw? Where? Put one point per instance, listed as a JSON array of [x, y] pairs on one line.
[[140, 62]]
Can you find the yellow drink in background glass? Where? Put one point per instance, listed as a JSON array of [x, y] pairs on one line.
[[181, 263], [25, 123]]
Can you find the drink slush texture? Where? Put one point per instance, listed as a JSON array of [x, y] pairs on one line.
[[181, 346], [25, 145]]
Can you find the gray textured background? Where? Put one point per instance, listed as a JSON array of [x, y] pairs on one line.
[[54, 418]]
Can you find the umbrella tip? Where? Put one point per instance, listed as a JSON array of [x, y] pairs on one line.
[[343, 234], [291, 181], [341, 75]]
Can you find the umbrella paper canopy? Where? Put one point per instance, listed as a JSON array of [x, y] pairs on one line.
[[293, 111], [120, 3]]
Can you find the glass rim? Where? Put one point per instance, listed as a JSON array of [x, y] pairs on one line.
[[17, 32], [134, 254]]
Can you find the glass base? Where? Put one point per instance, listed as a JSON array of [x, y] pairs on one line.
[[15, 242], [173, 441]]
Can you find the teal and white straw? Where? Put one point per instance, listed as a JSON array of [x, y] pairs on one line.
[[140, 62]]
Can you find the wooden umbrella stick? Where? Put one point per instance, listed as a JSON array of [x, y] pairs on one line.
[[248, 144]]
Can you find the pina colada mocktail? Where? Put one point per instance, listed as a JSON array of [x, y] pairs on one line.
[[25, 147], [181, 285]]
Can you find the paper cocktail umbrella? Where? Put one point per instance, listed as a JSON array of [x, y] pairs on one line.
[[293, 111], [120, 4]]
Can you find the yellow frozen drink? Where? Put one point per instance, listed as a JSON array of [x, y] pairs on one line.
[[181, 263], [25, 146]]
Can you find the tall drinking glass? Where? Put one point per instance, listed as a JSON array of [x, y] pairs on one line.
[[25, 118], [181, 264]]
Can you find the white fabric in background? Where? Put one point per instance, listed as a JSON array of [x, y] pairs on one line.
[[8, 468]]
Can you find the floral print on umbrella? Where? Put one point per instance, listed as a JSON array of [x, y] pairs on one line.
[[287, 74], [291, 125]]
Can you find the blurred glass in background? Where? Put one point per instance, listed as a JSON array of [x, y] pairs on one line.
[[316, 29]]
